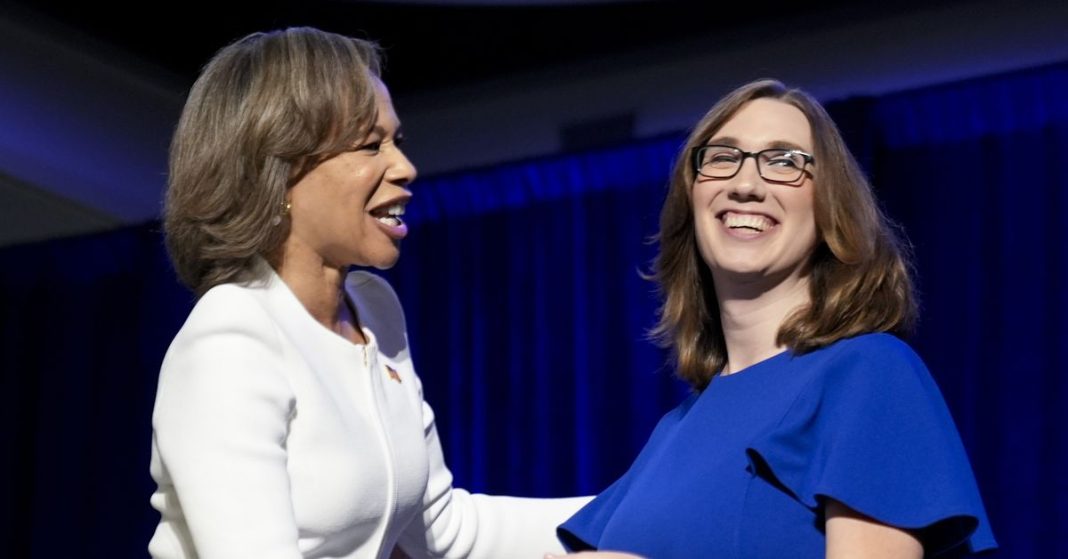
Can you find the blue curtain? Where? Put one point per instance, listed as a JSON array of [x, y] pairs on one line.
[[84, 324], [527, 317]]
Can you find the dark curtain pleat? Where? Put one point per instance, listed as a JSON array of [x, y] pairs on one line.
[[85, 323]]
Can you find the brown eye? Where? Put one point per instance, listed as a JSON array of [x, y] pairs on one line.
[[371, 147], [721, 157]]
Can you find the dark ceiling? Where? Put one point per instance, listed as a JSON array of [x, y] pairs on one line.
[[431, 46]]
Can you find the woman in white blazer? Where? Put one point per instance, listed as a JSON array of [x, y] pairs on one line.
[[289, 422]]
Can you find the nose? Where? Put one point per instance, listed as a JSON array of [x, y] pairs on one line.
[[747, 183], [401, 170]]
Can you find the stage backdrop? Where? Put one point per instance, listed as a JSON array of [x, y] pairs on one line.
[[527, 317]]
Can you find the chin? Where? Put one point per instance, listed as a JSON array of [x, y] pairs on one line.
[[386, 261], [379, 259], [384, 265]]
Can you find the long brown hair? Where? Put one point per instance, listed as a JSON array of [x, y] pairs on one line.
[[264, 111], [860, 274]]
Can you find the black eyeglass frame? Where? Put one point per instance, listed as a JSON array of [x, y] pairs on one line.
[[698, 152]]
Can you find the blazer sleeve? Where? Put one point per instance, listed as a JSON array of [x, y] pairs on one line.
[[219, 426], [456, 523]]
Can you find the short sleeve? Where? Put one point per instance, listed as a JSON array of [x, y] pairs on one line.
[[871, 430], [582, 531]]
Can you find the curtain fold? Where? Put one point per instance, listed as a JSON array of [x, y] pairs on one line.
[[85, 323], [528, 318]]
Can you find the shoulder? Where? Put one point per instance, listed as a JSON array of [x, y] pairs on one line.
[[230, 298], [230, 309], [869, 356], [230, 332], [876, 370], [878, 346], [227, 364]]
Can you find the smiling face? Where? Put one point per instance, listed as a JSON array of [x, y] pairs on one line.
[[748, 228], [346, 211]]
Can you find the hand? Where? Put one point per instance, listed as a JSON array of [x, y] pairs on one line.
[[595, 555]]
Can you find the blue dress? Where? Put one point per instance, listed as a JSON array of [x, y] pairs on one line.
[[740, 470]]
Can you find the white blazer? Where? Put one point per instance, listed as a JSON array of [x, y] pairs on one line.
[[273, 437]]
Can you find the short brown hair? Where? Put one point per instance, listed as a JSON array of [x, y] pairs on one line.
[[264, 111], [860, 278]]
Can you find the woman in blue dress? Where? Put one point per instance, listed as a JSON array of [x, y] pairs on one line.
[[813, 430]]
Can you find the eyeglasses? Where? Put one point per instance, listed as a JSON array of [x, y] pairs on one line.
[[775, 165]]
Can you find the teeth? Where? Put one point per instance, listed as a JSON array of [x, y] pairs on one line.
[[756, 222], [391, 215]]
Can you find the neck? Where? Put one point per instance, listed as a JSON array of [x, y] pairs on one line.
[[751, 315], [317, 285]]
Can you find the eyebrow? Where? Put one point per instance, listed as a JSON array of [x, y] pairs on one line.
[[776, 144]]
